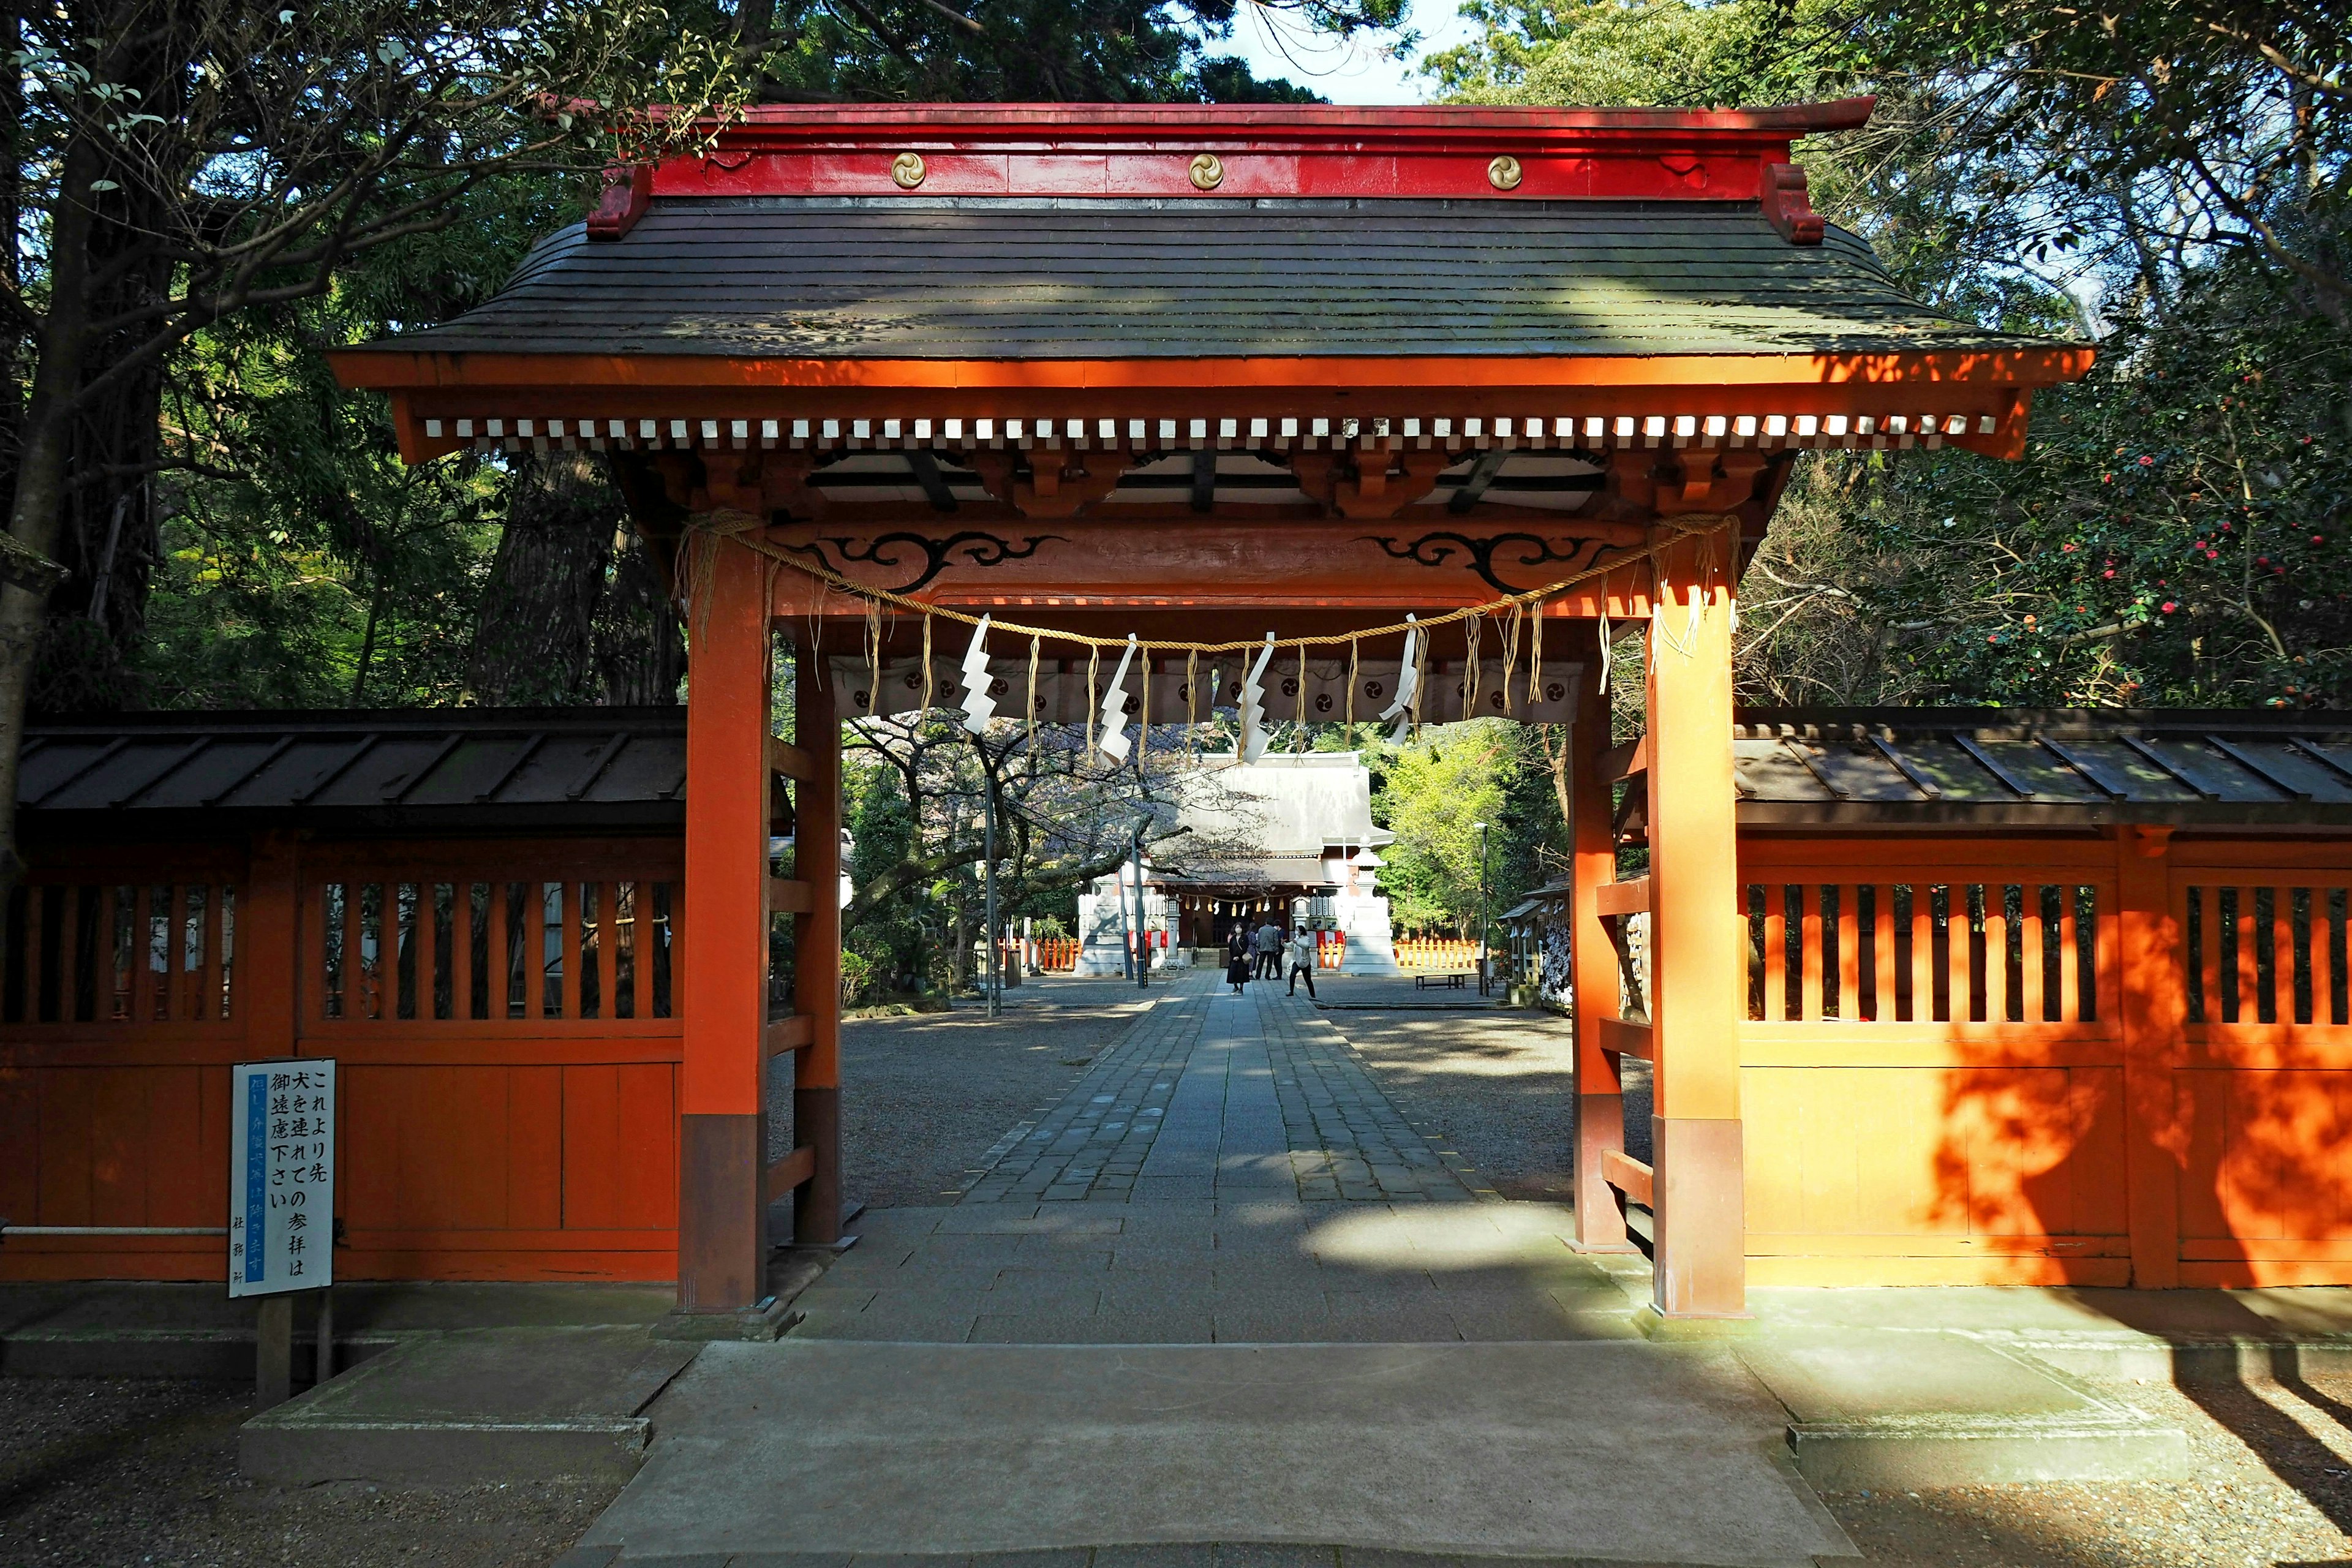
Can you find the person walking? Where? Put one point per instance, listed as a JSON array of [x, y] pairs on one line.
[[1237, 958], [1302, 962], [1270, 944]]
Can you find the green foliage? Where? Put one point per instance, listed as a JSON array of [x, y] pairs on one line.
[[883, 835], [1106, 51], [2169, 180], [1432, 791]]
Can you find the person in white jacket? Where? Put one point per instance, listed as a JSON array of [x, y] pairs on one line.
[[1302, 962]]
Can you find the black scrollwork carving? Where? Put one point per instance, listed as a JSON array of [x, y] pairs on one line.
[[1517, 550], [887, 551]]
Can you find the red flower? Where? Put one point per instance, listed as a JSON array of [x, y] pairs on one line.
[[2149, 462], [2169, 606], [2108, 573]]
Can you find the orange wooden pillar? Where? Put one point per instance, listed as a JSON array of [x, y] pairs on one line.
[[1697, 964], [723, 1243], [269, 947], [816, 953], [2153, 981], [1593, 962]]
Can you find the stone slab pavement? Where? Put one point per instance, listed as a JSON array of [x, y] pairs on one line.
[[1222, 1272], [1628, 1452], [1208, 1096]]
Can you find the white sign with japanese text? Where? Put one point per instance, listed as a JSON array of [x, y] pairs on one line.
[[281, 1176]]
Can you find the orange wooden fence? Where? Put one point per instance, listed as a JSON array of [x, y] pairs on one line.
[[1055, 957], [501, 1011], [2049, 1061]]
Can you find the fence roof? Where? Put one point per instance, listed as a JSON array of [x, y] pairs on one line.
[[430, 770], [2002, 767]]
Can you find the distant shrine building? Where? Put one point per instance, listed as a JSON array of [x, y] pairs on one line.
[[1287, 838]]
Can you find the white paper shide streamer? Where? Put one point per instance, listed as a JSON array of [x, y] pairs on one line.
[[1111, 735], [979, 707], [1254, 706], [1408, 684]]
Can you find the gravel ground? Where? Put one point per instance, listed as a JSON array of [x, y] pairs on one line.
[[126, 1472], [2274, 1490], [924, 1096]]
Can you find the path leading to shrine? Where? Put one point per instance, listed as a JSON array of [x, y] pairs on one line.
[[1222, 1290]]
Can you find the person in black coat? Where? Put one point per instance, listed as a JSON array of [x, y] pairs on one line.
[[1237, 959]]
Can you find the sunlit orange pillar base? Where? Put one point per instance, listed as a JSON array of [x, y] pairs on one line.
[[1697, 962], [722, 1245]]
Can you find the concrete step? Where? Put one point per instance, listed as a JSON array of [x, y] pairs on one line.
[[1883, 1408], [473, 1405], [134, 1328]]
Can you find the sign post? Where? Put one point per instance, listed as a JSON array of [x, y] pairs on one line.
[[281, 1219]]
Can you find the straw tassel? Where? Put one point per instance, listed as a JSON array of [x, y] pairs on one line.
[[926, 664]]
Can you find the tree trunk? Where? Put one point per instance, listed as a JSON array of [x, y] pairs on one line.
[[37, 510], [575, 610]]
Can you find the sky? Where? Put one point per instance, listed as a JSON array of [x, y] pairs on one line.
[[1277, 46]]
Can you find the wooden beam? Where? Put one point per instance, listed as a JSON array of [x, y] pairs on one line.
[[788, 760], [789, 897], [1626, 1038], [789, 1172], [796, 1033], [1629, 760], [1631, 896], [1629, 1176], [925, 467], [1482, 474]]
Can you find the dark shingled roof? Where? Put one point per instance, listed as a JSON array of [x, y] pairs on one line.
[[515, 770], [947, 278], [1991, 767]]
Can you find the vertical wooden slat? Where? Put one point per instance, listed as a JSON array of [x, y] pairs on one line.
[[1957, 956], [177, 979], [1776, 953], [572, 911], [142, 940], [1996, 944], [1810, 932], [215, 951], [2069, 956], [428, 938], [1923, 953], [501, 975], [187, 967], [461, 949], [2208, 935], [2323, 957], [2030, 980], [2282, 955], [1849, 928], [36, 907], [107, 957], [2106, 952], [68, 951], [1882, 952], [354, 970], [2248, 976]]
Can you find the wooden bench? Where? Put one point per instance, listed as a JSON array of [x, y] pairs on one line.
[[1450, 980]]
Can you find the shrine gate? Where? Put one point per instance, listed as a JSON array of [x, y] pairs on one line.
[[1206, 377]]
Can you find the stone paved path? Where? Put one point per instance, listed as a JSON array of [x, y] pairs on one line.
[[1212, 1097], [1226, 1172]]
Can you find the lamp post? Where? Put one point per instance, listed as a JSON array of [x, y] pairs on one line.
[[1483, 965]]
